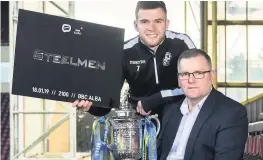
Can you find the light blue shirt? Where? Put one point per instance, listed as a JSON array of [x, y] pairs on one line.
[[178, 149]]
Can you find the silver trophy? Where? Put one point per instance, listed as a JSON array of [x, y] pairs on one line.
[[129, 127]]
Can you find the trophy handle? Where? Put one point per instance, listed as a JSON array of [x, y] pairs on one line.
[[110, 146], [96, 120], [155, 117]]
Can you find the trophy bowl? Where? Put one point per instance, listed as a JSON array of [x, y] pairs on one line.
[[128, 138], [129, 134]]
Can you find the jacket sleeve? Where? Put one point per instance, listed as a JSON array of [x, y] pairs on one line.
[[231, 137], [98, 111], [163, 97]]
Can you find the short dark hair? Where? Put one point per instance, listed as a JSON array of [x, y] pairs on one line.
[[150, 5], [194, 53]]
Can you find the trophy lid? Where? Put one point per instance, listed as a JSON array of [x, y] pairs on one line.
[[126, 109], [125, 103]]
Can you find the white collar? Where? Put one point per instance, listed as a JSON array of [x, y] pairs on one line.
[[185, 109]]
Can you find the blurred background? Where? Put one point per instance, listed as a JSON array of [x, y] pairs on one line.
[[230, 31]]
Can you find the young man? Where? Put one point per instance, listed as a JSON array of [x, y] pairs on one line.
[[205, 124], [150, 59]]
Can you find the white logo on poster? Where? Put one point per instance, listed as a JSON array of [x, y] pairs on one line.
[[167, 59], [78, 31], [66, 28]]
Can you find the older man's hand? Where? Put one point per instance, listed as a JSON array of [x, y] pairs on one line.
[[141, 110]]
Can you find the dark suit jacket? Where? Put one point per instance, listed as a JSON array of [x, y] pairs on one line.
[[219, 132]]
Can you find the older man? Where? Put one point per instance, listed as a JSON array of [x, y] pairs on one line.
[[205, 124]]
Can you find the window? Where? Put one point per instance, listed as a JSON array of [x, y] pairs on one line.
[[238, 94], [235, 10], [236, 53], [255, 10], [255, 54]]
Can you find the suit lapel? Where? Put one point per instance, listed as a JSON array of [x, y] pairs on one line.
[[204, 113], [171, 126]]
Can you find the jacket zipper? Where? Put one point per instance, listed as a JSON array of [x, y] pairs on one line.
[[155, 68]]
